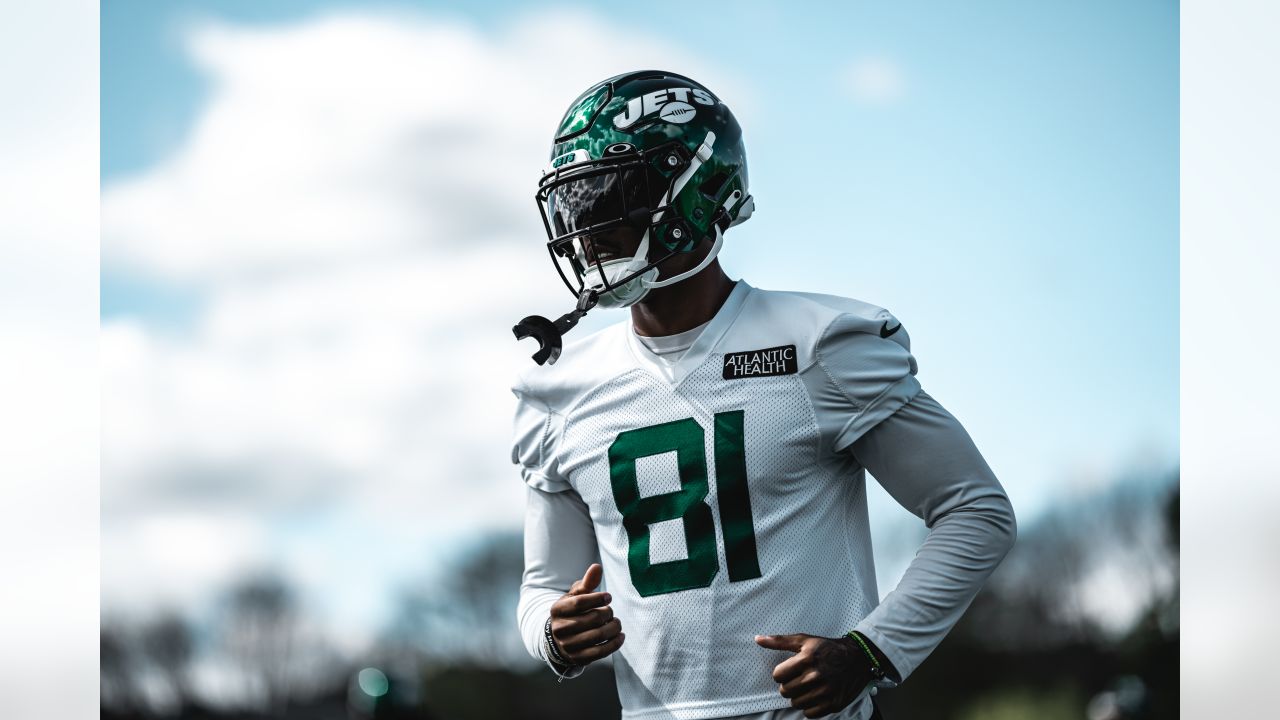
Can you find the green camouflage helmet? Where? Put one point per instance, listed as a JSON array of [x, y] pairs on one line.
[[650, 150]]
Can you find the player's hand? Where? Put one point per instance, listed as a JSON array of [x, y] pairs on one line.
[[582, 623], [823, 676]]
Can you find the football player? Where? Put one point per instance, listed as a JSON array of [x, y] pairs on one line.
[[707, 457]]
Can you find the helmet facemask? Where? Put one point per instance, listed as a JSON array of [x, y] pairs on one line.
[[596, 212]]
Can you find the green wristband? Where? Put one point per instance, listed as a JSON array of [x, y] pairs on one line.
[[876, 670]]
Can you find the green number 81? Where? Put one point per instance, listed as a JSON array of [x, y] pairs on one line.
[[687, 439]]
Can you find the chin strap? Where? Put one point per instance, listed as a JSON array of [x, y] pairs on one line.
[[720, 224]]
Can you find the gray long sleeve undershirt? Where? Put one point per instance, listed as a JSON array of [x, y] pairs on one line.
[[924, 459]]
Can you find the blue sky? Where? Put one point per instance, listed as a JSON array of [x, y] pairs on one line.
[[1003, 176], [1019, 201]]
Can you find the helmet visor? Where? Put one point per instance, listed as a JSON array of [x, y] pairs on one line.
[[596, 200]]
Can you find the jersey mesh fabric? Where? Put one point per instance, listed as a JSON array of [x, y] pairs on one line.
[[859, 709], [690, 650], [691, 653]]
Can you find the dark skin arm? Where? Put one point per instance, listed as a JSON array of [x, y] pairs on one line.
[[582, 623], [824, 675]]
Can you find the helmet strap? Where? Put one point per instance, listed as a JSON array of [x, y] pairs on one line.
[[638, 261], [726, 206]]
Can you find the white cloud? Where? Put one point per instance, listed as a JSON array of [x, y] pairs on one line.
[[874, 81], [355, 203], [351, 136], [174, 557]]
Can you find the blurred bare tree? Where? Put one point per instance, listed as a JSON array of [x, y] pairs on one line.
[[486, 586], [1046, 593], [259, 635], [1081, 614], [118, 670], [168, 644], [467, 616], [263, 640], [1031, 644]]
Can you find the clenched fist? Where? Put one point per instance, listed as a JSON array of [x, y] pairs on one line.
[[582, 623], [824, 675]]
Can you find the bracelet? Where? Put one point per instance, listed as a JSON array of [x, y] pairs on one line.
[[552, 651], [877, 672]]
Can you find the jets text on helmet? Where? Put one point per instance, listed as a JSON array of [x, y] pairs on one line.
[[650, 103]]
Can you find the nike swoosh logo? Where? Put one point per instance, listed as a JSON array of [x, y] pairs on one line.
[[886, 332]]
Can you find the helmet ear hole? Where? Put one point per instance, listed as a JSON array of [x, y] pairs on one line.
[[711, 188]]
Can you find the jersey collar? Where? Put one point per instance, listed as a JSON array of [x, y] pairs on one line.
[[701, 348]]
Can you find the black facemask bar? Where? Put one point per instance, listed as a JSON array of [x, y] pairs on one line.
[[623, 183]]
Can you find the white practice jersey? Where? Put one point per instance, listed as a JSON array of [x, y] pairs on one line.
[[725, 496]]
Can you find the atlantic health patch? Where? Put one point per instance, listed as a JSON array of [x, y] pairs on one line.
[[779, 360]]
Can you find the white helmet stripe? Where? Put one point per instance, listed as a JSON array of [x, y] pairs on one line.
[[701, 155]]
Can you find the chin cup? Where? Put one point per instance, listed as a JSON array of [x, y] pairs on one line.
[[548, 333]]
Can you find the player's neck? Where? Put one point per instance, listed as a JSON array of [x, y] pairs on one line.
[[683, 306]]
